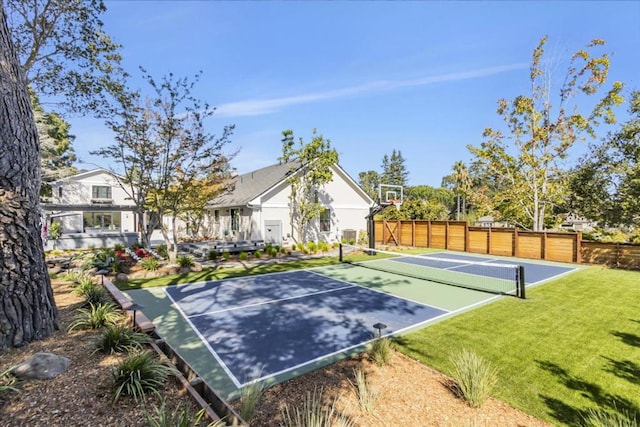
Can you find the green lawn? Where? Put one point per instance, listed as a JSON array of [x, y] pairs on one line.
[[573, 344], [248, 269]]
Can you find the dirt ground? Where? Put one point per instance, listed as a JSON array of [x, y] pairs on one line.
[[408, 393]]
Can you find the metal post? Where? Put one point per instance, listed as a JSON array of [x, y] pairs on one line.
[[521, 282]]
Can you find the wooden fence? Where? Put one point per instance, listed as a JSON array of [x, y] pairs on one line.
[[544, 245]]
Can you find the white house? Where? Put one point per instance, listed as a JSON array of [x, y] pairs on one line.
[[91, 202], [257, 208]]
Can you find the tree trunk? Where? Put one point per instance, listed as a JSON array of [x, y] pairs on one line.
[[27, 307]]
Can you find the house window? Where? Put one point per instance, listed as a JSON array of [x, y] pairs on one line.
[[235, 220], [102, 221], [101, 192], [60, 191], [325, 220], [216, 216]]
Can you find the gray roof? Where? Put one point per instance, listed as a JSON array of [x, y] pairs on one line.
[[247, 187]]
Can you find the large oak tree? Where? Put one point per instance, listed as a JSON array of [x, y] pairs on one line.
[[27, 308]]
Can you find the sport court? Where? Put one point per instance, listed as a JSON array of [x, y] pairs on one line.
[[273, 327]]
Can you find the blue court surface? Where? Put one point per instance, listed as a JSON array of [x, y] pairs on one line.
[[262, 326], [535, 273], [276, 326]]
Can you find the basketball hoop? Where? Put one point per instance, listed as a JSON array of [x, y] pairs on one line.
[[395, 202]]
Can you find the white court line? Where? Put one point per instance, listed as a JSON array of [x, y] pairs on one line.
[[206, 343], [375, 290], [271, 301]]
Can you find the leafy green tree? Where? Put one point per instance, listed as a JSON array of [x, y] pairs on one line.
[[56, 152], [416, 209], [524, 160], [311, 170], [370, 181], [462, 187], [64, 51], [394, 171], [164, 149], [605, 186], [28, 311]]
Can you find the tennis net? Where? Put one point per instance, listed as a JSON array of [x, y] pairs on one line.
[[498, 278]]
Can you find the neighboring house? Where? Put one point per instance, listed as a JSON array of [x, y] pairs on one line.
[[91, 202], [488, 221], [257, 207], [576, 223], [92, 209]]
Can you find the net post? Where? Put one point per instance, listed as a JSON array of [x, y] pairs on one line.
[[521, 282], [341, 258]]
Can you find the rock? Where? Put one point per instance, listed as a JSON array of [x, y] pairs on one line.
[[196, 267], [121, 277], [41, 366]]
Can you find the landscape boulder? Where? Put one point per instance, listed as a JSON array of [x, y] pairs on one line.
[[41, 366]]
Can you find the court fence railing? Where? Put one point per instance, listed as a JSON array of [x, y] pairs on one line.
[[511, 242]]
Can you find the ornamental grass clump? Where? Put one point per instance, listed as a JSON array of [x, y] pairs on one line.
[[139, 374], [97, 316], [367, 396], [120, 339], [616, 418], [314, 413], [185, 261], [7, 383], [381, 351], [249, 400], [474, 377], [180, 416], [150, 264]]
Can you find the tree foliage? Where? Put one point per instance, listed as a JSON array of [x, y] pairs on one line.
[[56, 152], [605, 186], [311, 170], [370, 181], [64, 51], [163, 149], [394, 171], [523, 161]]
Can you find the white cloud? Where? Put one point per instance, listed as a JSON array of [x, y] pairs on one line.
[[258, 107]]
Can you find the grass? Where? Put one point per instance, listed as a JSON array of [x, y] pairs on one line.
[[381, 351], [251, 395], [570, 347], [248, 270], [96, 317], [314, 412], [139, 374], [367, 396]]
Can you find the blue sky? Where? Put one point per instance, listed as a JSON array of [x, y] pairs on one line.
[[419, 77]]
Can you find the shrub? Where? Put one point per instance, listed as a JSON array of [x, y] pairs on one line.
[[136, 245], [83, 285], [119, 339], [212, 255], [312, 247], [185, 261], [257, 254], [150, 264], [250, 396], [313, 413], [95, 294], [55, 230], [242, 256], [273, 252], [363, 237], [382, 351], [323, 246], [96, 317], [138, 375], [366, 395], [162, 251], [226, 255], [474, 377], [301, 246], [118, 247]]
